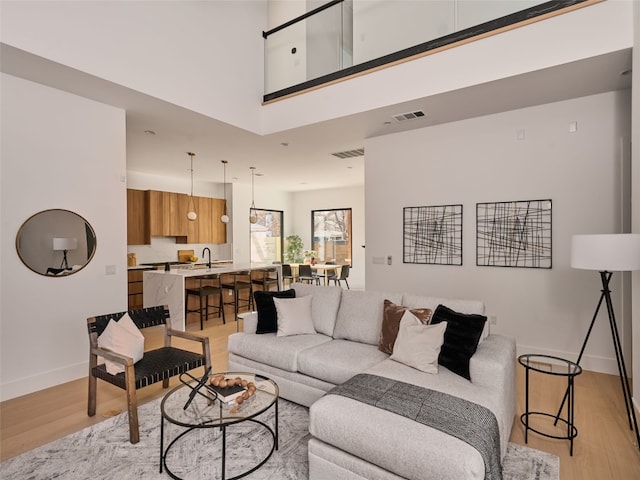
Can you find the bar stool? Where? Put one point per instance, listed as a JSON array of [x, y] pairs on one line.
[[238, 282], [208, 285], [266, 278]]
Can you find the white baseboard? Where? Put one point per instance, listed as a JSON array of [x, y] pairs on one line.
[[43, 380]]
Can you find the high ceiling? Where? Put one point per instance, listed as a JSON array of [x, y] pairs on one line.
[[305, 163]]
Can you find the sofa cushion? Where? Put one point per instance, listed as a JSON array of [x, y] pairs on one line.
[[463, 306], [280, 352], [391, 316], [324, 308], [418, 345], [294, 316], [339, 360], [460, 338], [267, 313], [360, 315]]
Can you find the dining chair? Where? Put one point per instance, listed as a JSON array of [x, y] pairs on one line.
[[287, 274], [342, 276], [306, 275]]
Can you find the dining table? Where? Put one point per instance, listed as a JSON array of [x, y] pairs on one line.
[[323, 270]]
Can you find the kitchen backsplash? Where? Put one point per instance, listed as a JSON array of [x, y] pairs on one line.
[[165, 249]]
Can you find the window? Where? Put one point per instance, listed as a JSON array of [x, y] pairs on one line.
[[266, 236], [331, 235]]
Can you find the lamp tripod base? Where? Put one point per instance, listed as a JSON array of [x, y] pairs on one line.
[[622, 369]]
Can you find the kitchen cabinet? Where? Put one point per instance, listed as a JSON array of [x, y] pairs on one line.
[[167, 214], [134, 288], [152, 213], [136, 218], [208, 228]]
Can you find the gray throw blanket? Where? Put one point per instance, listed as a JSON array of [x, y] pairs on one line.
[[468, 421]]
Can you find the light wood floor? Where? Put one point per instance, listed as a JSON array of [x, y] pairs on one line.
[[604, 449]]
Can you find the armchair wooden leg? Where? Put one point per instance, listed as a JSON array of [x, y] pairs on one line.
[[91, 402], [132, 404]]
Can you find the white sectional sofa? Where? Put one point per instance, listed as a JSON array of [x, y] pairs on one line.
[[353, 440]]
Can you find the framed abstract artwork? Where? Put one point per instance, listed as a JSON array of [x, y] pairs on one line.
[[514, 234], [433, 235]]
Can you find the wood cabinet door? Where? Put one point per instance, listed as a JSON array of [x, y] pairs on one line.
[[136, 217], [219, 229], [174, 215], [155, 211]]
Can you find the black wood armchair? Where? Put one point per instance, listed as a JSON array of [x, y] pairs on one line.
[[156, 365]]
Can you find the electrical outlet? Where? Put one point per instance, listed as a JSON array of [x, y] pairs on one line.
[[493, 319], [389, 260], [109, 269]]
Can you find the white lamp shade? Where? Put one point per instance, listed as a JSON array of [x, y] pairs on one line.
[[62, 243], [616, 252]]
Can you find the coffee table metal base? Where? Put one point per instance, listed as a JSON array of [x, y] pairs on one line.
[[165, 452]]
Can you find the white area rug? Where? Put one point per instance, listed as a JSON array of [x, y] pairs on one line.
[[103, 451]]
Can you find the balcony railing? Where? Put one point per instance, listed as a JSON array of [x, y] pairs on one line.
[[348, 37]]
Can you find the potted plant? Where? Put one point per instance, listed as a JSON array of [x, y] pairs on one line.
[[293, 253]]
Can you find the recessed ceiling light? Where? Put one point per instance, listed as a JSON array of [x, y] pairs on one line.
[[626, 72], [149, 132], [304, 183], [284, 144]]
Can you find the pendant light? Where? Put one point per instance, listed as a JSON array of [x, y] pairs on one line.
[[224, 218], [191, 208], [253, 216]]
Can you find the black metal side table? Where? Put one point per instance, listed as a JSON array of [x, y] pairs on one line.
[[566, 368]]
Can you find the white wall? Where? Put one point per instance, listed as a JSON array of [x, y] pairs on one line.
[[204, 56], [354, 198], [481, 160], [58, 151]]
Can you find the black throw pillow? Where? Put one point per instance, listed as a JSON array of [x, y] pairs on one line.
[[460, 338], [267, 314]]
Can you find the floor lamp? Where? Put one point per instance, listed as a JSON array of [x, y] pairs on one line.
[[607, 254], [64, 244]]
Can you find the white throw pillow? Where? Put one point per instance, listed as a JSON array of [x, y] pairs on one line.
[[121, 337], [294, 316], [418, 345]]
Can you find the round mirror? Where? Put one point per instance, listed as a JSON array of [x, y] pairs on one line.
[[56, 242]]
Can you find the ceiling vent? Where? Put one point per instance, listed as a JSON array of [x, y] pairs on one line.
[[403, 117], [349, 153]]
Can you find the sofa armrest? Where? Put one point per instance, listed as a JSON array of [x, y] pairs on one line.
[[494, 361], [249, 322]]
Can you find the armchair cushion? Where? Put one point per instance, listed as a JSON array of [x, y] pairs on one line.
[[122, 337]]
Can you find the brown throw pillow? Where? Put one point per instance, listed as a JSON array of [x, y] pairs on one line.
[[392, 315]]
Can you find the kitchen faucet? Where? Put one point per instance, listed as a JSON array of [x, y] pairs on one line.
[[206, 249]]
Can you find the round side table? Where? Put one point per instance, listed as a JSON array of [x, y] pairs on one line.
[[540, 363]]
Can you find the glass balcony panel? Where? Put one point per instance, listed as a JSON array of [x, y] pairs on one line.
[[347, 34]]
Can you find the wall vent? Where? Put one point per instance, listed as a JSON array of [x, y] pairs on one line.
[[349, 153], [403, 117]]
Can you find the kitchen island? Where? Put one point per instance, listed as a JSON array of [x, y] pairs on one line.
[[167, 288]]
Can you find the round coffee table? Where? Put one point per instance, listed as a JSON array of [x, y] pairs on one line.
[[182, 407]]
